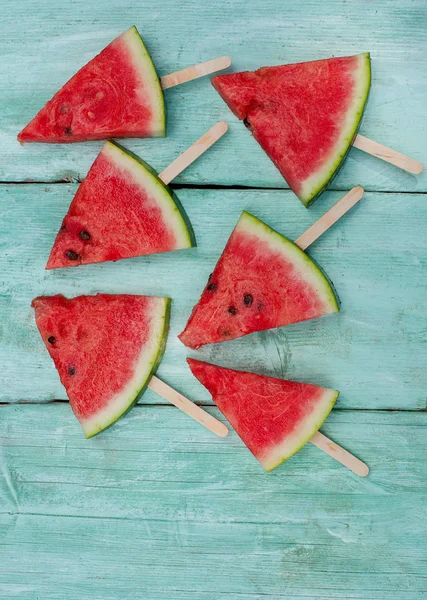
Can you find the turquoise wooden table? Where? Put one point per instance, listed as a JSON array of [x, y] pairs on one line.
[[157, 508]]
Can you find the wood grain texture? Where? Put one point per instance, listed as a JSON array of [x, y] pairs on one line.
[[158, 508], [56, 42], [374, 351], [153, 508]]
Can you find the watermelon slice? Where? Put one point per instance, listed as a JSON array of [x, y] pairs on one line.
[[105, 348], [117, 94], [304, 116], [121, 210], [262, 280], [273, 417]]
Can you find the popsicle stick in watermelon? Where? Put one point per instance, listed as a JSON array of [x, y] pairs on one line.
[[116, 94], [274, 417], [305, 117], [123, 209], [106, 349], [263, 281]]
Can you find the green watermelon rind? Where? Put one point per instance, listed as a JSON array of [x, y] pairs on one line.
[[96, 424], [323, 287], [182, 226], [321, 180], [283, 451], [148, 73]]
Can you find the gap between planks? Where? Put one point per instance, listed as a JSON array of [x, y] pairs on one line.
[[220, 187]]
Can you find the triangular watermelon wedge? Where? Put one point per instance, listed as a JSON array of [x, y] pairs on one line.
[[106, 349], [304, 116], [121, 210], [262, 280], [273, 417], [117, 94]]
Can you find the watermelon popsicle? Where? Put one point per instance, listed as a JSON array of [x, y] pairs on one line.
[[263, 280], [117, 94], [105, 349], [306, 116], [124, 209], [274, 417]]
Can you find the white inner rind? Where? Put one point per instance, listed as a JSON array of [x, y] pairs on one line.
[[307, 269], [135, 170], [302, 434], [142, 371], [143, 64], [362, 79]]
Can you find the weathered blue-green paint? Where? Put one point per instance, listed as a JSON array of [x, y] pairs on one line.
[[157, 508], [254, 34], [374, 351]]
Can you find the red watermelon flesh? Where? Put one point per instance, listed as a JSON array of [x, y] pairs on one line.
[[304, 116], [273, 417], [262, 280], [105, 348], [121, 210], [117, 94]]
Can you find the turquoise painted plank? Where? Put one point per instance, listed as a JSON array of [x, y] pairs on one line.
[[109, 559], [156, 463], [374, 351], [158, 507], [41, 47]]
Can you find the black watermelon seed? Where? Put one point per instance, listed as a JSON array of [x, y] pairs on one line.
[[71, 370], [51, 339], [68, 131], [247, 299], [247, 124], [84, 235], [226, 333], [62, 227], [71, 255], [210, 277], [232, 310], [212, 287]]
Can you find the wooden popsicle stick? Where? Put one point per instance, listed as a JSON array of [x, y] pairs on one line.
[[329, 218], [341, 455], [392, 156], [193, 152], [190, 409], [205, 68]]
